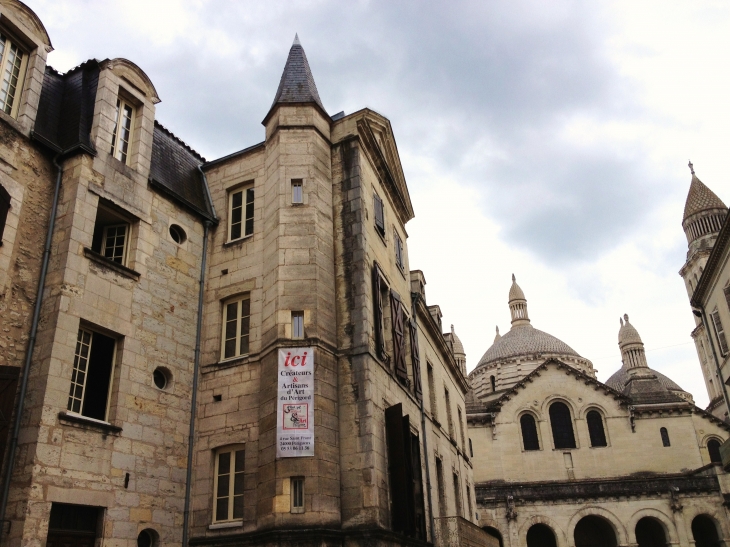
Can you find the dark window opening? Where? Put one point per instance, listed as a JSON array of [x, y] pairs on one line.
[[494, 533], [72, 525], [379, 214], [457, 495], [562, 426], [704, 532], [4, 208], [398, 251], [177, 234], [595, 428], [530, 440], [650, 533], [8, 389], [146, 538], [665, 436], [415, 360], [713, 447], [441, 487], [493, 382], [471, 449], [404, 472], [92, 374], [379, 287], [111, 234], [397, 316], [594, 531], [541, 535]]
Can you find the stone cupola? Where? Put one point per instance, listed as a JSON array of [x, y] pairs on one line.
[[704, 212], [518, 304], [632, 348]]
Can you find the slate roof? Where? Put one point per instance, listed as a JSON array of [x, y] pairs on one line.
[[620, 379], [66, 108], [700, 198], [297, 83], [525, 340], [174, 170]]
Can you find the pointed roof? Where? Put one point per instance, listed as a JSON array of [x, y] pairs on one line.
[[297, 83], [700, 198], [515, 292]]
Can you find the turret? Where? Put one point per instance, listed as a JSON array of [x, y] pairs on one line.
[[518, 304], [633, 355]]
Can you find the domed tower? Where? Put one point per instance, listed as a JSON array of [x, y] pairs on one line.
[[520, 351], [704, 214], [635, 379], [457, 349]]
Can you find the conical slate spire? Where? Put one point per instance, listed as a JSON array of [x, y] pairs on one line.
[[297, 83], [700, 197]]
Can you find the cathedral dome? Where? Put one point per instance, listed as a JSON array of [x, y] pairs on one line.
[[525, 340]]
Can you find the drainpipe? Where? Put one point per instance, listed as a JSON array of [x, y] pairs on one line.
[[31, 346], [414, 301], [196, 366], [700, 312]]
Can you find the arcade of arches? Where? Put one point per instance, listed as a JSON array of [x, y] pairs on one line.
[[596, 531]]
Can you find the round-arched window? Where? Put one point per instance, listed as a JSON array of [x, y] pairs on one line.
[[562, 425], [595, 428], [528, 426], [713, 447]]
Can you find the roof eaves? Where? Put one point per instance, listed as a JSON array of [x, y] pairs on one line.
[[715, 255], [232, 155], [179, 141]]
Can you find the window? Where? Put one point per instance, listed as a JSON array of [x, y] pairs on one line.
[[432, 391], [4, 208], [111, 234], [398, 250], [721, 340], [397, 316], [91, 377], [123, 122], [408, 515], [161, 377], [665, 436], [441, 487], [530, 440], [493, 382], [297, 324], [713, 448], [457, 495], [379, 214], [229, 464], [415, 360], [461, 428], [471, 449], [236, 322], [240, 213], [595, 428], [468, 501], [177, 234], [297, 494], [296, 191], [562, 426], [449, 417], [379, 287], [12, 61]]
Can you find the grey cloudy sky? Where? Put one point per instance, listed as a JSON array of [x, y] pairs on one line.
[[548, 139]]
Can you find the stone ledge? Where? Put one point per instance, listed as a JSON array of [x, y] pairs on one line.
[[237, 242], [104, 261], [89, 422]]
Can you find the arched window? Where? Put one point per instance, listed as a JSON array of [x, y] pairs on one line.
[[595, 428], [493, 381], [471, 449], [594, 531], [541, 535], [529, 432], [713, 447], [650, 533], [665, 436], [704, 532], [562, 426]]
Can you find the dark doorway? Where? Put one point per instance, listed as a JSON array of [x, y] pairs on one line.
[[8, 387], [72, 525], [704, 532], [494, 533], [593, 531], [540, 535], [650, 533]]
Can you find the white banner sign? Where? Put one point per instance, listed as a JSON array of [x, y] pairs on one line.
[[295, 403]]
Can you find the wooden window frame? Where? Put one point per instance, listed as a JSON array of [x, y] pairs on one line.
[[15, 98], [244, 227], [719, 331], [398, 326], [239, 327], [117, 150], [232, 473], [81, 366]]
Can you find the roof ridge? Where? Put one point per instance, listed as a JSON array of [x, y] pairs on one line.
[[179, 141]]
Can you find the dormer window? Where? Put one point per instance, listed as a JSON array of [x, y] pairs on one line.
[[13, 69], [123, 122]]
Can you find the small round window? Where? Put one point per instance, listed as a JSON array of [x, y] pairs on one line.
[[147, 538], [161, 377], [177, 234]]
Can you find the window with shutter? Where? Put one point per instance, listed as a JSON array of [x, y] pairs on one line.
[[379, 214], [415, 360], [595, 428], [562, 426], [530, 440], [378, 289], [399, 337], [726, 291], [4, 208], [719, 331]]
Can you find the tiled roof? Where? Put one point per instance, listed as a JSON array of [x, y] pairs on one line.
[[525, 340], [620, 378], [66, 107], [515, 292], [700, 198], [174, 169], [297, 83]]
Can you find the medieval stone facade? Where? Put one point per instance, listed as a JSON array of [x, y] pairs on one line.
[[147, 405]]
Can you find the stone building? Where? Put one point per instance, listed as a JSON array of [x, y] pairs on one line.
[[561, 459], [157, 399]]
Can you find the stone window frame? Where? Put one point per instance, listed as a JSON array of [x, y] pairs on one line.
[[706, 444], [233, 449], [604, 425], [297, 324], [297, 191], [118, 217], [238, 298], [245, 232], [572, 415], [296, 489], [536, 420]]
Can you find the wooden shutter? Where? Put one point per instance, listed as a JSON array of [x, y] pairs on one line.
[[378, 307], [399, 337], [416, 360], [398, 467], [719, 331], [726, 290], [379, 214], [4, 208]]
